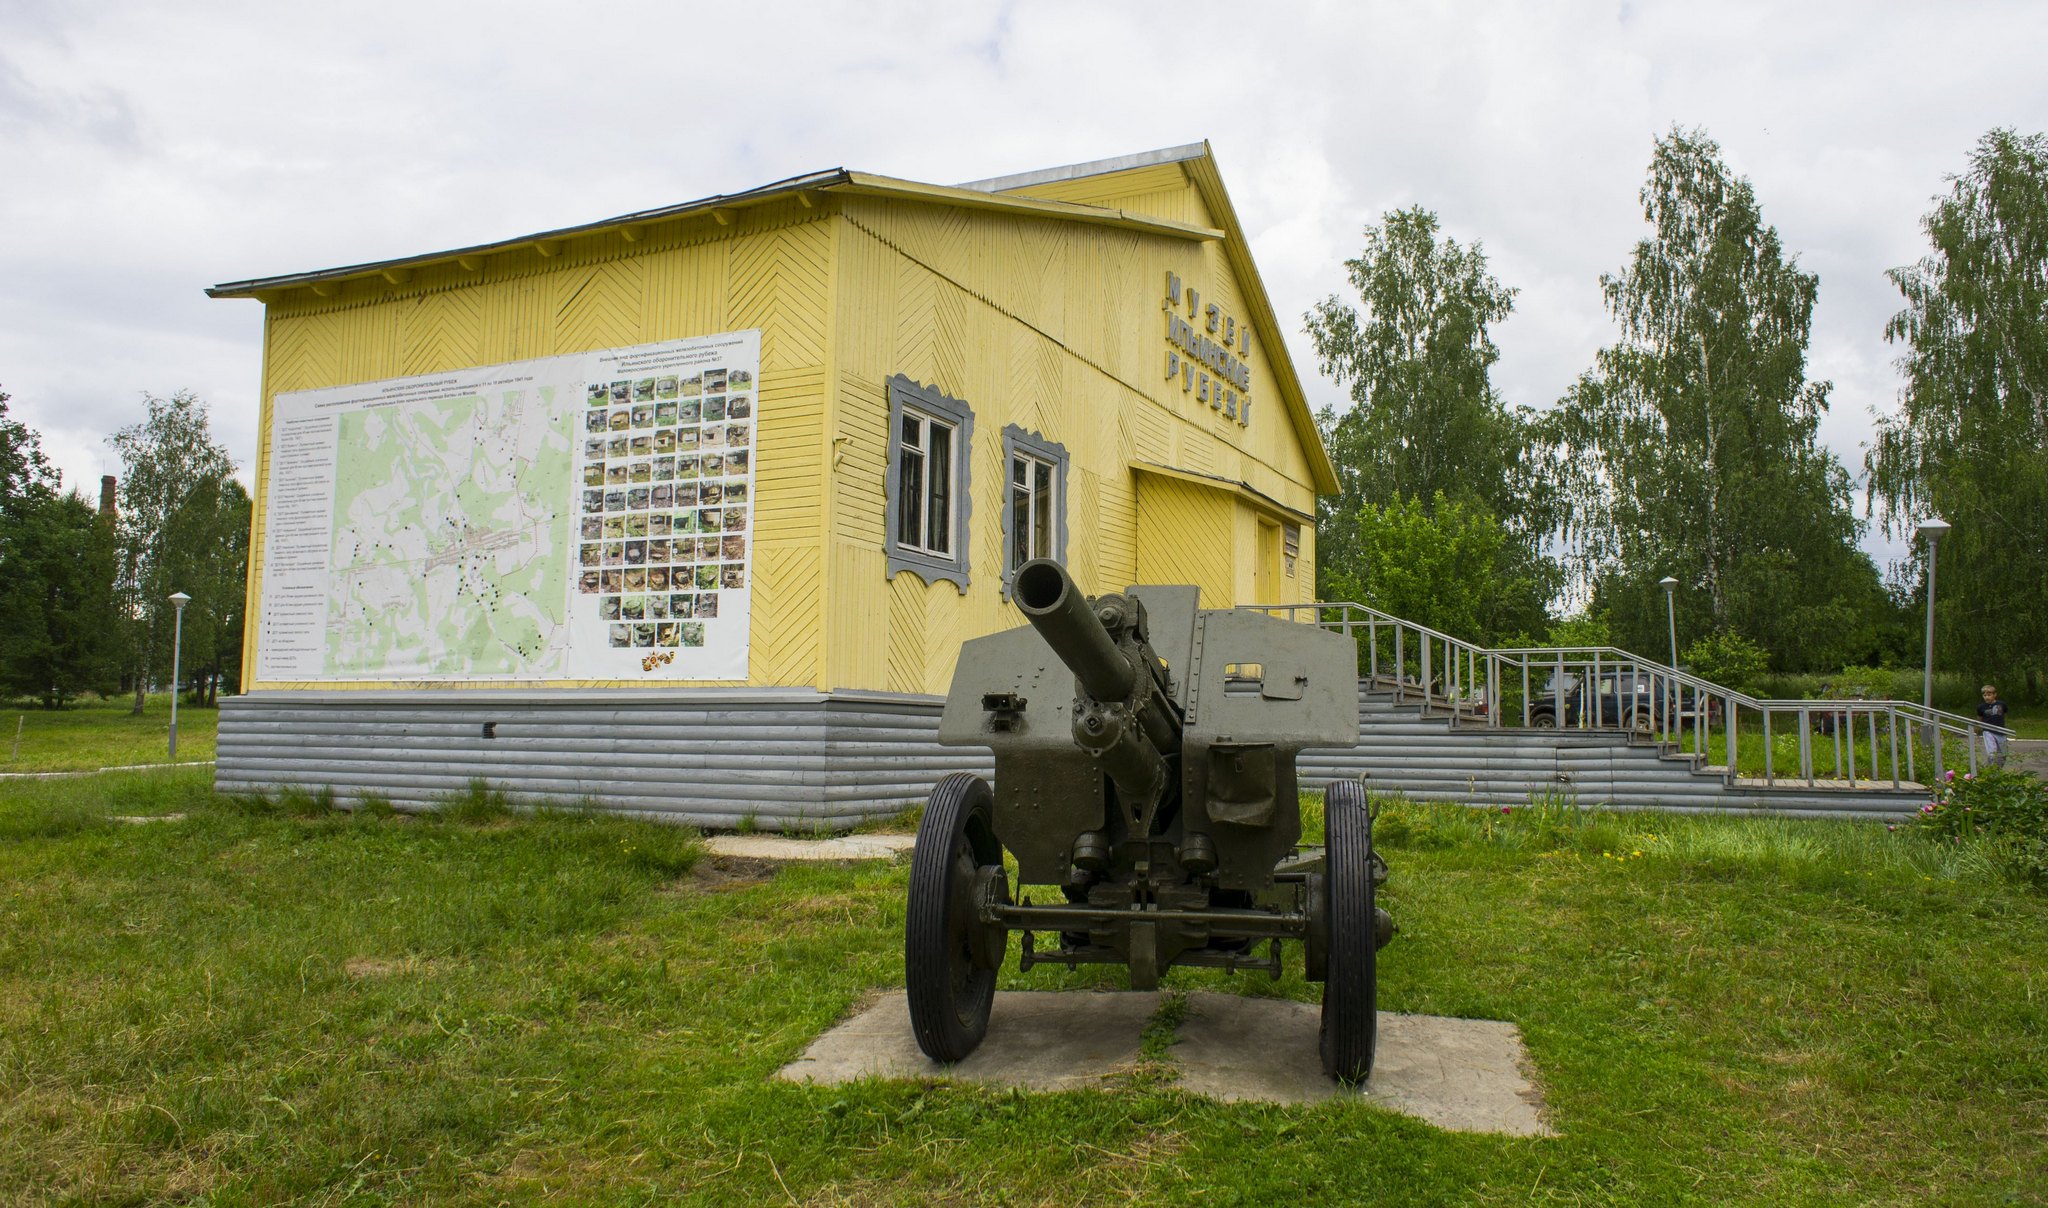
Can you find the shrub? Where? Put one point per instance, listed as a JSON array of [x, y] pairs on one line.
[[1728, 659], [2006, 810], [1867, 683]]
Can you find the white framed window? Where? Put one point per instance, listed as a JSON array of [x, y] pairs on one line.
[[925, 523], [1034, 500], [926, 452]]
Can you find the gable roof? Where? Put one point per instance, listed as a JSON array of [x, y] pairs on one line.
[[835, 180], [1197, 163], [1008, 194]]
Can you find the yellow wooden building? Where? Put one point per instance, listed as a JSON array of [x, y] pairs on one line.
[[1079, 362]]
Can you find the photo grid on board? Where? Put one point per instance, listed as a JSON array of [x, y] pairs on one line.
[[666, 503]]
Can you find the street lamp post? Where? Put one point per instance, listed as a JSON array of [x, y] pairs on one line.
[[1670, 586], [178, 599]]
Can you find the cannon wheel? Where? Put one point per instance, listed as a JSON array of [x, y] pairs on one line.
[[949, 958], [1351, 988]]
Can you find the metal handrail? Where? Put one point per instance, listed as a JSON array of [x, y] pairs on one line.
[[1471, 682]]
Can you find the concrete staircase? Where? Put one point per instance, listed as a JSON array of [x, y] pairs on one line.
[[1432, 755]]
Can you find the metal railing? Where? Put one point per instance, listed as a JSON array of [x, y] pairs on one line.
[[1829, 743]]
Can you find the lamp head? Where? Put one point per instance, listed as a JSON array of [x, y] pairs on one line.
[[1933, 527], [180, 599], [1668, 583]]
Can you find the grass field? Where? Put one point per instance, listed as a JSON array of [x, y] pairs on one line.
[[1833, 755], [267, 1003], [97, 733]]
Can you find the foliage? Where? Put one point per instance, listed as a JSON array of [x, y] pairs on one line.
[[1586, 628], [164, 458], [56, 599], [1862, 683], [1441, 566], [1727, 658], [22, 464], [206, 555], [56, 574], [1691, 448], [2006, 809], [1426, 424], [1970, 439], [1424, 418]]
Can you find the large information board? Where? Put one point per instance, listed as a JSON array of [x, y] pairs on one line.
[[573, 518]]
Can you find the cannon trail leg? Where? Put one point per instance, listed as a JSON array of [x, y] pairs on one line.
[[1351, 991], [950, 957]]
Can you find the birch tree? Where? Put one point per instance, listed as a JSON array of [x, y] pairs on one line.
[[1691, 447], [164, 457], [1970, 438], [1426, 428]]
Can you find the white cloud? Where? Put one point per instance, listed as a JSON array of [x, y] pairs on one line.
[[153, 149]]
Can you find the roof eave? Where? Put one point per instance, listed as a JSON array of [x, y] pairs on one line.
[[974, 199], [1209, 182], [837, 180], [723, 201]]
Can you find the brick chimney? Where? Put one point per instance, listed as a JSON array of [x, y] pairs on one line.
[[107, 512]]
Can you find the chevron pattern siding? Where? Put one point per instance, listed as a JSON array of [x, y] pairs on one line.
[[599, 305], [1186, 534], [438, 332], [780, 285], [787, 609]]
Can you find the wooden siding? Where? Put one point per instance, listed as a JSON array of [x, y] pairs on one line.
[[1058, 329], [771, 269]]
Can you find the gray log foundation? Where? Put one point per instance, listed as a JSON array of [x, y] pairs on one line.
[[802, 760]]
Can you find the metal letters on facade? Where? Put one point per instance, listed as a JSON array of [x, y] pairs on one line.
[[1208, 359]]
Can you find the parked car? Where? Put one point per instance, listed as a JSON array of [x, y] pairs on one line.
[[1629, 700], [1835, 719]]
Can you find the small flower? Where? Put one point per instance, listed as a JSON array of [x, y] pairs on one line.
[[1950, 774], [1505, 809], [1891, 826]]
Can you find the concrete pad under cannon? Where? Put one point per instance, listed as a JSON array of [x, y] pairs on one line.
[[782, 847], [1463, 1075], [1038, 1040]]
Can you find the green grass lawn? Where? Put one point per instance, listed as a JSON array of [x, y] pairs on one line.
[[280, 1003], [2028, 721], [96, 733]]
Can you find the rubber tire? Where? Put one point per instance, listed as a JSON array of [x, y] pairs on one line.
[[1642, 721], [1350, 1023], [950, 992], [1543, 721]]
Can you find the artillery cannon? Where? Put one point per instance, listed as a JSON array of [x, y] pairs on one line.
[[1145, 771]]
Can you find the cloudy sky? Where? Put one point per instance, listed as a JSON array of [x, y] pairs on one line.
[[149, 150]]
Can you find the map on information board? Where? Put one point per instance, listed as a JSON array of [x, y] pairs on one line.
[[574, 518]]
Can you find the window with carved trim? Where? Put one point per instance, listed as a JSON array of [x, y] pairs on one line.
[[1034, 500], [925, 526], [925, 456]]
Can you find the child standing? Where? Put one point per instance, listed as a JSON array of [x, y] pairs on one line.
[[1991, 711]]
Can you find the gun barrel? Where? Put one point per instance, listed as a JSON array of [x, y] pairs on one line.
[[1049, 598]]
